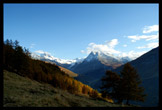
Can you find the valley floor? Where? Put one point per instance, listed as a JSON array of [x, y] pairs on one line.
[[24, 92]]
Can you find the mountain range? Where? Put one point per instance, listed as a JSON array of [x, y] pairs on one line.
[[91, 69], [106, 59], [60, 62]]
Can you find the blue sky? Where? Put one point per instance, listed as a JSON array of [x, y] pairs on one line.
[[69, 31]]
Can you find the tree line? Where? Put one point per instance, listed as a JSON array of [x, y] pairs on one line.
[[18, 60], [124, 86]]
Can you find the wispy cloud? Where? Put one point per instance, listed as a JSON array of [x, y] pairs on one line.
[[32, 45], [149, 29], [112, 43], [146, 29], [145, 37], [132, 54], [150, 45], [82, 51], [42, 52], [124, 45]]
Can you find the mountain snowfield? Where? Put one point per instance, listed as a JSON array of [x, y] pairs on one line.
[[54, 59], [106, 59]]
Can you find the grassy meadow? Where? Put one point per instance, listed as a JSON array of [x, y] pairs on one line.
[[23, 92]]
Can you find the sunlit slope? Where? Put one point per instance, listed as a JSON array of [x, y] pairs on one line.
[[21, 91], [70, 73]]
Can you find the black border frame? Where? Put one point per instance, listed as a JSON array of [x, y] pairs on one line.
[[2, 2]]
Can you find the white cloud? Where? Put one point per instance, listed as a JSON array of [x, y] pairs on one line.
[[135, 37], [146, 37], [149, 29], [42, 52], [108, 47], [150, 45], [132, 54], [82, 51], [133, 40], [112, 43]]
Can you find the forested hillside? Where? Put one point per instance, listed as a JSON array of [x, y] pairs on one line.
[[18, 60]]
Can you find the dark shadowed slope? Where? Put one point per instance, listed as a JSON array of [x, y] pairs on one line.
[[148, 68]]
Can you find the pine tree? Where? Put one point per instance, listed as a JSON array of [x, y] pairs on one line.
[[110, 85], [130, 84], [123, 87]]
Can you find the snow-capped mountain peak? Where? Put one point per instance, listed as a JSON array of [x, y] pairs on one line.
[[46, 56], [105, 58], [91, 56]]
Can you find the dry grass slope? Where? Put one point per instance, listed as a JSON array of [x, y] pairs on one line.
[[24, 92]]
